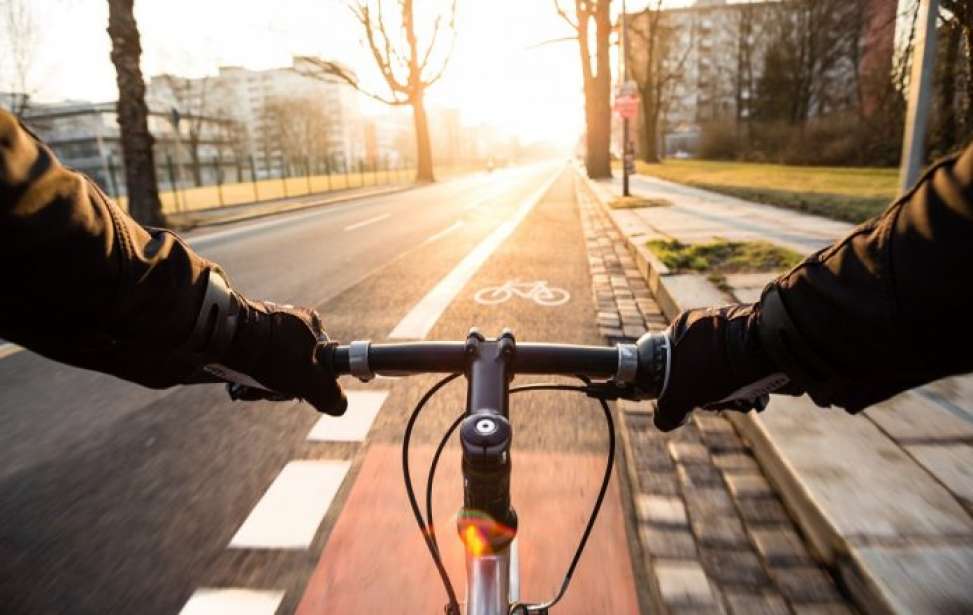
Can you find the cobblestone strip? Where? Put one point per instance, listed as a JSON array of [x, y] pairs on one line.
[[714, 535]]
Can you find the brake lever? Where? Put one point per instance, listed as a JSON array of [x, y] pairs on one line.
[[610, 390], [243, 392]]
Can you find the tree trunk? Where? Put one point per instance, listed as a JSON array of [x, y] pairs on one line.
[[424, 172], [197, 165], [140, 180], [948, 132], [597, 90], [649, 137]]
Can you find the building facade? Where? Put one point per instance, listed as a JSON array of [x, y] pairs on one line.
[[288, 118], [86, 137]]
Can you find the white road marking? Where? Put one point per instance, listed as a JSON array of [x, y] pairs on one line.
[[232, 601], [288, 514], [421, 318], [353, 425], [445, 231], [7, 349], [358, 225]]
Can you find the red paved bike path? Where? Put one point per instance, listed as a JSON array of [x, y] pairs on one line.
[[375, 561]]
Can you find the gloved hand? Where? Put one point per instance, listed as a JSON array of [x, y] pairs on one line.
[[717, 363], [279, 347]]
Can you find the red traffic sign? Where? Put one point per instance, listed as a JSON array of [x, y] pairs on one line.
[[627, 106]]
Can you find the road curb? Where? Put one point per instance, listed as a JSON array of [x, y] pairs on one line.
[[675, 293], [268, 209]]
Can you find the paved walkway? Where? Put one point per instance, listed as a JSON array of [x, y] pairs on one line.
[[886, 496], [713, 534]]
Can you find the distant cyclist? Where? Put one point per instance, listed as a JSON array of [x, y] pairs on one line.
[[879, 312]]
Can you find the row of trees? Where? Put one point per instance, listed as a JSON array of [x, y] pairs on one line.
[[779, 71]]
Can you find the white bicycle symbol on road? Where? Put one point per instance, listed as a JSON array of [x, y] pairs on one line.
[[538, 292]]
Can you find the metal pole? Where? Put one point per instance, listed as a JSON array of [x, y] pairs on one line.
[[253, 178], [172, 183], [219, 175], [625, 191], [920, 94]]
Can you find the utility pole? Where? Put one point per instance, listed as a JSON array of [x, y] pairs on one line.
[[920, 93]]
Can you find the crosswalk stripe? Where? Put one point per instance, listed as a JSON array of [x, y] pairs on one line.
[[353, 425], [232, 601], [288, 514]]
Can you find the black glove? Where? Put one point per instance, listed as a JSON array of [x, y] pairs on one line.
[[717, 363], [279, 346]]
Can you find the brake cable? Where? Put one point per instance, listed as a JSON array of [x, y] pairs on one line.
[[426, 525]]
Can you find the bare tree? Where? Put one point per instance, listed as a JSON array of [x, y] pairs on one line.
[[596, 75], [301, 129], [655, 63], [136, 140], [405, 67], [192, 99], [20, 33]]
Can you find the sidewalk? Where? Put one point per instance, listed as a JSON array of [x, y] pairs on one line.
[[235, 213], [885, 498]]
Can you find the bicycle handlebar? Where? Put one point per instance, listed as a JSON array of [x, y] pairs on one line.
[[643, 365]]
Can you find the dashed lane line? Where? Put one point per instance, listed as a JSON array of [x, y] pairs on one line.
[[289, 513], [358, 225], [446, 231], [421, 318], [232, 601], [353, 425]]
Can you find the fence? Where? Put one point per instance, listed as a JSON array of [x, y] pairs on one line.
[[177, 197]]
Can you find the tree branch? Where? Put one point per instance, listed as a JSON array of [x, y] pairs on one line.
[[332, 69], [563, 14]]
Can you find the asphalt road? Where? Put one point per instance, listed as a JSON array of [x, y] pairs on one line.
[[117, 499]]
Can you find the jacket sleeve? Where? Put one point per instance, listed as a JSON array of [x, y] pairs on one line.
[[82, 282], [888, 307]]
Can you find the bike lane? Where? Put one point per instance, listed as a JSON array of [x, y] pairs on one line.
[[375, 561]]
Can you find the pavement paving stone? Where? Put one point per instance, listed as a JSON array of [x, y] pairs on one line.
[[835, 608], [736, 462], [763, 510], [611, 332], [719, 531], [917, 578], [952, 465], [912, 416], [683, 583], [667, 542], [709, 502], [689, 452], [766, 603], [747, 484], [698, 475], [684, 507], [634, 331], [708, 422], [661, 510], [734, 567], [805, 584], [718, 442], [780, 545]]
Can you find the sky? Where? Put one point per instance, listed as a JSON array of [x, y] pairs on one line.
[[499, 73]]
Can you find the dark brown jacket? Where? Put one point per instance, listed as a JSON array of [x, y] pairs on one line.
[[82, 282], [879, 312]]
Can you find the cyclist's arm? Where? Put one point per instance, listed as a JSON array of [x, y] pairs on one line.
[[82, 282], [886, 308]]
